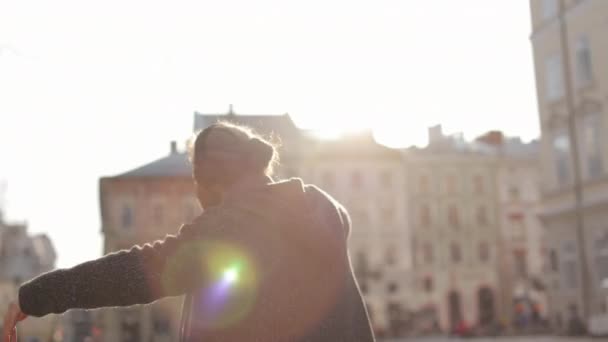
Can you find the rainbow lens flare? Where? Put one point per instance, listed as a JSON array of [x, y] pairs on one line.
[[231, 275]]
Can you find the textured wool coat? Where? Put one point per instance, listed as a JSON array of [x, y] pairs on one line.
[[269, 263]]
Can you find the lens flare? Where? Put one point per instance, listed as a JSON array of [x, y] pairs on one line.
[[231, 275]]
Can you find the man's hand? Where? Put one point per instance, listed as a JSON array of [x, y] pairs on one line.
[[12, 317]]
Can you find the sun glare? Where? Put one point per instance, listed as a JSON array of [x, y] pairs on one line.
[[231, 275], [388, 131]]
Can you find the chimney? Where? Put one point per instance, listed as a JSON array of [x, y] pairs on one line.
[[173, 147], [435, 134], [492, 138]]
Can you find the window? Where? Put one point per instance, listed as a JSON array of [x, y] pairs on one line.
[[570, 274], [450, 183], [601, 255], [482, 216], [456, 253], [592, 145], [427, 253], [519, 261], [392, 287], [386, 179], [514, 193], [127, 217], [161, 324], [27, 252], [569, 265], [424, 185], [427, 284], [425, 216], [158, 214], [391, 256], [516, 220], [484, 252], [478, 186], [361, 264], [561, 156], [360, 216], [553, 261], [453, 219], [554, 77], [550, 8], [584, 70], [388, 213]]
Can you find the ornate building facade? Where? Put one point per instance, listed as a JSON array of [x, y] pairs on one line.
[[570, 57]]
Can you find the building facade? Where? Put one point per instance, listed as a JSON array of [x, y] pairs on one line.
[[454, 221], [571, 63], [522, 247], [369, 179], [23, 257], [426, 235]]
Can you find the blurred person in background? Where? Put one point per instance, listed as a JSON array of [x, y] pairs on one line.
[[266, 261]]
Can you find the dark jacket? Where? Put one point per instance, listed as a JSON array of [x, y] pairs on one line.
[[268, 264]]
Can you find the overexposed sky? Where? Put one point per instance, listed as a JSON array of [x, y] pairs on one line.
[[90, 89]]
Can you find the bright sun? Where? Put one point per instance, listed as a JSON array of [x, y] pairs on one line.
[[391, 136], [396, 131]]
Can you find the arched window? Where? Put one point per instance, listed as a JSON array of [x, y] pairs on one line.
[[425, 216], [482, 216], [453, 217], [484, 252], [126, 217], [456, 253]]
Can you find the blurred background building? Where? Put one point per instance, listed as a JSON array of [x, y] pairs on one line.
[[570, 54], [369, 179], [22, 257], [456, 231], [433, 228]]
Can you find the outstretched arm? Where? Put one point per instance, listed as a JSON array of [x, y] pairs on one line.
[[140, 275]]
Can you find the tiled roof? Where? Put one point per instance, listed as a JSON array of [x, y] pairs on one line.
[[175, 164]]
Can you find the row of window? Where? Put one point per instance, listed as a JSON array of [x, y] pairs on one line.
[[565, 261], [456, 255], [453, 216], [590, 150], [393, 287], [356, 180], [158, 215], [452, 184], [387, 215], [583, 69]]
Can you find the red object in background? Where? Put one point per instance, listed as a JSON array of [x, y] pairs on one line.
[[494, 138], [96, 332], [463, 329]]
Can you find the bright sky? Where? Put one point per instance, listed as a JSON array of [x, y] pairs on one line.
[[90, 89]]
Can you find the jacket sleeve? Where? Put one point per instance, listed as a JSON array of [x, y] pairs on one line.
[[139, 275]]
